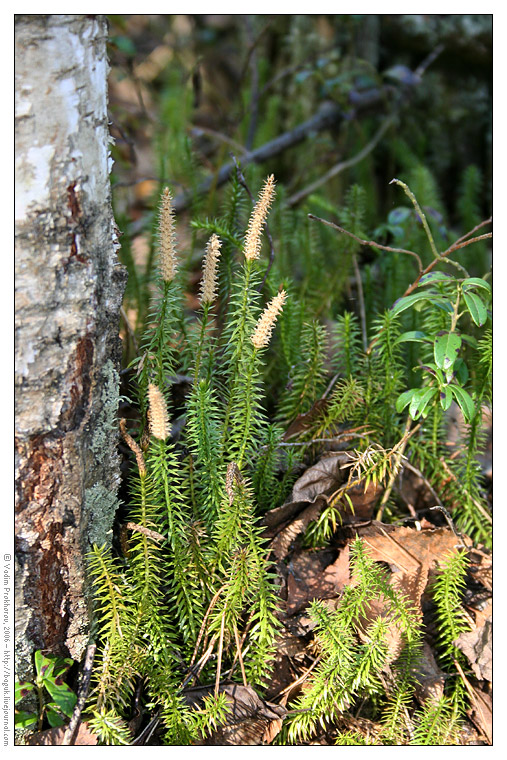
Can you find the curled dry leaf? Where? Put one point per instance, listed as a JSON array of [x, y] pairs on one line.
[[481, 713], [313, 489], [250, 720], [477, 645], [282, 542]]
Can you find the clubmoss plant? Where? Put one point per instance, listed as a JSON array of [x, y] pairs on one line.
[[196, 574], [192, 596]]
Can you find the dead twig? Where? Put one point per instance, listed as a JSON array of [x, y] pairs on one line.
[[240, 658], [299, 680], [395, 469], [70, 731], [219, 655], [370, 243], [328, 115]]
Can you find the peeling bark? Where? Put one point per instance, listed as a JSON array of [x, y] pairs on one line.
[[69, 286]]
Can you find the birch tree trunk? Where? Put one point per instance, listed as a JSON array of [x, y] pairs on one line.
[[69, 285]]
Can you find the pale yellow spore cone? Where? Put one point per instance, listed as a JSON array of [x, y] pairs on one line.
[[252, 246], [267, 320], [158, 416], [167, 237], [209, 272]]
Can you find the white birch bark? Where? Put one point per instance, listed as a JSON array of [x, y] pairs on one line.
[[68, 287]]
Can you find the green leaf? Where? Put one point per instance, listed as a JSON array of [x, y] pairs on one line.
[[445, 398], [461, 372], [470, 340], [21, 689], [404, 399], [431, 277], [443, 304], [475, 282], [420, 401], [435, 371], [39, 660], [414, 336], [63, 696], [446, 348], [405, 303], [464, 401], [24, 719], [53, 716], [476, 307]]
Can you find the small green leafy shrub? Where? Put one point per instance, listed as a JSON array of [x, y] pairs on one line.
[[56, 700]]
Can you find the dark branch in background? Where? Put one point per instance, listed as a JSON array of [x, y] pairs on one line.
[[342, 165], [243, 183], [330, 114], [429, 60]]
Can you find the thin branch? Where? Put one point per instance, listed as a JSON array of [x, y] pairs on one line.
[[327, 115], [240, 657], [426, 63], [471, 232], [456, 246], [219, 655], [348, 436], [201, 663], [408, 192], [409, 466], [371, 243], [299, 680], [443, 257], [395, 469], [203, 624], [200, 131], [70, 731], [451, 525], [342, 165]]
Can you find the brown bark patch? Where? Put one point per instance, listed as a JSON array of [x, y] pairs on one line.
[[76, 402], [39, 476]]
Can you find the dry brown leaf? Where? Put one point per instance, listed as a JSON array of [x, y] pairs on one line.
[[53, 737], [324, 477], [411, 554], [306, 579], [279, 515], [407, 548], [305, 421], [338, 573], [281, 544], [477, 645], [250, 720], [313, 488], [481, 714], [430, 678], [481, 566]]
